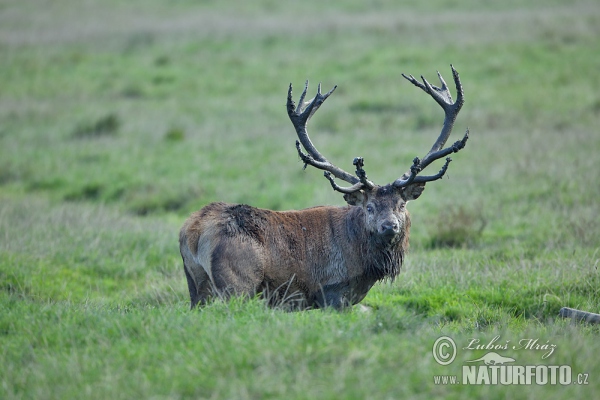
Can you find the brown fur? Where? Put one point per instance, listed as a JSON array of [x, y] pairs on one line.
[[317, 257]]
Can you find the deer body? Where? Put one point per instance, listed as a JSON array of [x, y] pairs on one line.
[[320, 256]]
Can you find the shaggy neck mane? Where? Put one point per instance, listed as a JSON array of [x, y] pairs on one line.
[[384, 263]]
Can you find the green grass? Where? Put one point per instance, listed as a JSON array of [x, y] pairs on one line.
[[118, 119]]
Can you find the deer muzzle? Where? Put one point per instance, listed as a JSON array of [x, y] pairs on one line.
[[389, 227]]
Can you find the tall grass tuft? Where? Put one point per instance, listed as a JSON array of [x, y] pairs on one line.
[[107, 125], [457, 226]]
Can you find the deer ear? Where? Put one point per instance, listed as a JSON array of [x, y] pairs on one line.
[[355, 199], [412, 192]]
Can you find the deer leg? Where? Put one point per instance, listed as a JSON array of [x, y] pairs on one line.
[[200, 289], [194, 297]]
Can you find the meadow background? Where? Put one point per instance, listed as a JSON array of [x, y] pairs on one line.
[[119, 118]]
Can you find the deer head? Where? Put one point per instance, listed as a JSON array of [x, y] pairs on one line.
[[384, 207]]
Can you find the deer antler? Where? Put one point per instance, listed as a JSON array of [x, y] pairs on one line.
[[299, 116], [443, 97], [304, 111]]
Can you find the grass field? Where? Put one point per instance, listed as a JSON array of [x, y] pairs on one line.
[[119, 118]]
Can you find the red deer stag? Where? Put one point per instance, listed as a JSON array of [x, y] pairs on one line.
[[321, 256]]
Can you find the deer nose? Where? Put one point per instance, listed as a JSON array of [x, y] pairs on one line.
[[389, 228]]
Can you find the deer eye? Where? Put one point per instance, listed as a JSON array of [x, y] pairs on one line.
[[369, 208]]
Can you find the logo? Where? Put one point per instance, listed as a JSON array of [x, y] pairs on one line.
[[444, 350], [492, 358], [494, 368]]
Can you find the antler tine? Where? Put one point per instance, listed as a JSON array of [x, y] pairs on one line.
[[451, 109], [413, 178], [362, 176], [299, 115], [302, 96], [354, 188], [410, 175]]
